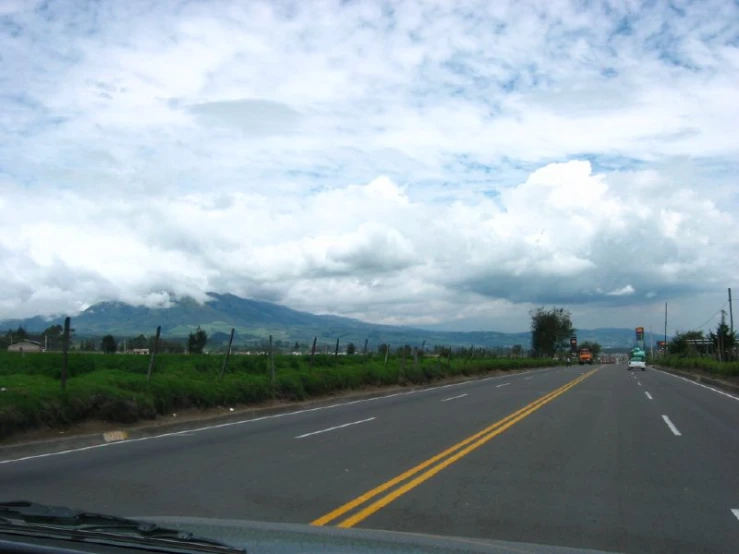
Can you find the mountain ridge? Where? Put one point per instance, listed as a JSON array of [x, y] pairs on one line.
[[255, 320]]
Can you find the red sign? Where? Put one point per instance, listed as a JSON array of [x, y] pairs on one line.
[[640, 333]]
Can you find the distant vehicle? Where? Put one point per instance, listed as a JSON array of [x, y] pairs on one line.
[[637, 359], [585, 356]]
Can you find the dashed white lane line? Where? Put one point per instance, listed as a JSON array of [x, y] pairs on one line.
[[672, 426], [503, 385], [334, 428], [700, 385], [638, 383], [455, 397], [735, 511], [648, 395]]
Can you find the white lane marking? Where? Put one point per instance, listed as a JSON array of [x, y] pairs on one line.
[[503, 385], [262, 418], [700, 385], [672, 426], [527, 378], [735, 511], [454, 397], [648, 395], [334, 428], [638, 383]]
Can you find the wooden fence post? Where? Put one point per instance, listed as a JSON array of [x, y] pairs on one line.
[[65, 353], [272, 365], [313, 352], [401, 373], [154, 352], [228, 353]]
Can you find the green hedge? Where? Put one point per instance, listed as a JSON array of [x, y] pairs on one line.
[[114, 387], [720, 369]]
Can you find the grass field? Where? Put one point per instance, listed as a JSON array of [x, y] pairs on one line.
[[115, 388]]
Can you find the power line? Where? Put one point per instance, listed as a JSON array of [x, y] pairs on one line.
[[700, 327]]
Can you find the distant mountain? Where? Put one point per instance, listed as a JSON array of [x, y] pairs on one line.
[[255, 320]]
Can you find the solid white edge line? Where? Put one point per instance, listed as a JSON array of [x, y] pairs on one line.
[[735, 511], [648, 395], [503, 385], [526, 378], [672, 426], [455, 397], [700, 385], [334, 428]]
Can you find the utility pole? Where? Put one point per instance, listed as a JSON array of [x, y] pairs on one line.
[[720, 336], [665, 328], [731, 314]]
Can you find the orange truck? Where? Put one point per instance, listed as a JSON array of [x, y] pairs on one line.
[[585, 356]]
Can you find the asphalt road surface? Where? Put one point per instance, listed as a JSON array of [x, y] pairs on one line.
[[592, 457]]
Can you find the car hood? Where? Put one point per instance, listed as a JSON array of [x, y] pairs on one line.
[[286, 538]]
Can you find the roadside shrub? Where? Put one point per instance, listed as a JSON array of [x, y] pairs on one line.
[[115, 388]]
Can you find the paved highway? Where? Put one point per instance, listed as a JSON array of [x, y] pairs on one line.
[[591, 457]]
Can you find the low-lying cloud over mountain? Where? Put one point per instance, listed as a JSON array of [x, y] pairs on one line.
[[415, 163], [254, 321]]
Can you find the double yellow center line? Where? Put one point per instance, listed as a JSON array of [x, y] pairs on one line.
[[425, 470]]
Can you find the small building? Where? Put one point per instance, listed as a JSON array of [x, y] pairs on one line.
[[141, 351], [26, 346]]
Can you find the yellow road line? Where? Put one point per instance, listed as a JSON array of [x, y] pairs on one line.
[[477, 440]]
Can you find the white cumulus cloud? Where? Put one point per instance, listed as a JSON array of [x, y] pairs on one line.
[[412, 162]]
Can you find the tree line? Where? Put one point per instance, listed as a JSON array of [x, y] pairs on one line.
[[720, 344], [108, 344]]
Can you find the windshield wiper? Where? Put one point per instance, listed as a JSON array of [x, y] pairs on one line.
[[39, 519]]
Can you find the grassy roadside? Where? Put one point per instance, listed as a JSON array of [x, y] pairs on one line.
[[115, 389], [725, 370]]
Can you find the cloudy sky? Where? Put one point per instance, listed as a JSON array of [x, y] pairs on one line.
[[424, 163]]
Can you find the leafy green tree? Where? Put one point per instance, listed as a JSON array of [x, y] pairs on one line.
[[296, 346], [723, 340], [138, 342], [109, 345], [404, 350], [680, 345], [351, 349], [196, 341], [88, 345], [550, 330], [594, 347], [19, 334], [171, 346], [381, 349], [53, 332]]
